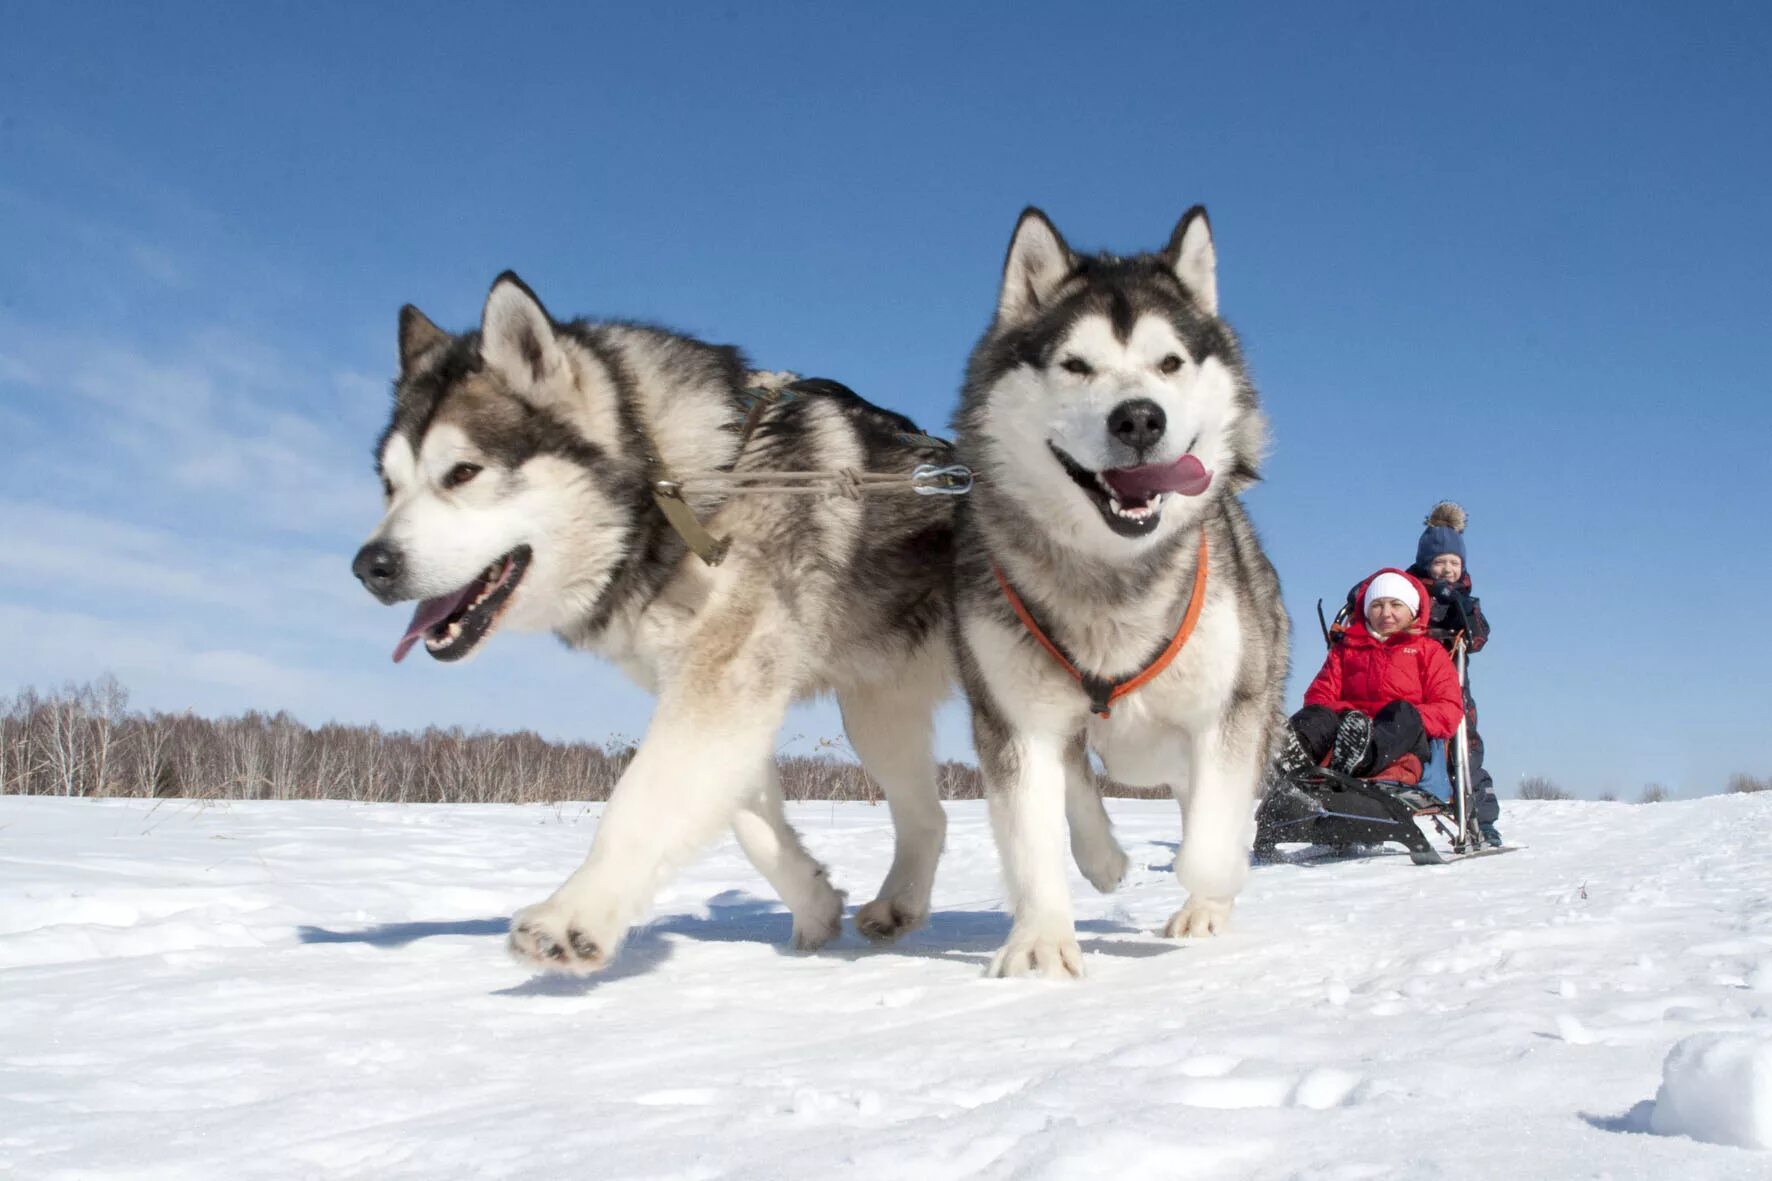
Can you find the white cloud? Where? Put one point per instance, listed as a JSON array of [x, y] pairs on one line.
[[157, 264], [49, 647], [72, 553], [109, 243], [518, 683], [211, 418]]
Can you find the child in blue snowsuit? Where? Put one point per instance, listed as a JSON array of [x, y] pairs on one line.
[[1440, 564]]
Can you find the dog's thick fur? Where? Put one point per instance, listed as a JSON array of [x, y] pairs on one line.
[[1075, 339], [519, 461]]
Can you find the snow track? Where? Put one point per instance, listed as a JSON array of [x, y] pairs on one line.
[[319, 989]]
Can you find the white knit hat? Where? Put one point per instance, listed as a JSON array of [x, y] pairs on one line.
[[1391, 585]]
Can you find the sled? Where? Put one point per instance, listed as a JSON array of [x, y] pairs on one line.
[[1341, 818], [1324, 807]]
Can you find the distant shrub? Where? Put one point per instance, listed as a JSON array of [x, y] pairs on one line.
[[1654, 793], [1744, 784], [1539, 787], [1608, 797]]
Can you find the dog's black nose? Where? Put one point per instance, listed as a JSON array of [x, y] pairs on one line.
[[1138, 423], [377, 567]]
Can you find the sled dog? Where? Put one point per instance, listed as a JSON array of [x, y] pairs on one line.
[[1110, 593], [519, 469]]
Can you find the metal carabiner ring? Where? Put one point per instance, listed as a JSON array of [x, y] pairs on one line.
[[951, 480]]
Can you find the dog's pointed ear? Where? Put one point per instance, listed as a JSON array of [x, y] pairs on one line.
[[1037, 265], [1193, 258], [517, 335], [418, 336]]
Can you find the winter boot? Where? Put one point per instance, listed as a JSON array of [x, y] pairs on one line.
[[1353, 743], [1292, 758], [1488, 811]]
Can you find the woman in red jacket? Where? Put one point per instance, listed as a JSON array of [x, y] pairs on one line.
[[1384, 691]]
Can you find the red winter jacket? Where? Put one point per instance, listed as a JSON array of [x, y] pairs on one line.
[[1367, 674]]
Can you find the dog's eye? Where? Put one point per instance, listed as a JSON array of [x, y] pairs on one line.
[[1076, 365], [1169, 364], [460, 474], [387, 488]]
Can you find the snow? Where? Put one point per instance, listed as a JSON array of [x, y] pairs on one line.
[[1717, 1087], [319, 990]]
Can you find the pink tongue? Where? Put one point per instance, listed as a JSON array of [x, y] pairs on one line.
[[1186, 475], [430, 613]]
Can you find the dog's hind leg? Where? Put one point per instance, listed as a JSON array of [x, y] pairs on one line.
[[1218, 808], [1093, 845], [774, 847], [891, 728]]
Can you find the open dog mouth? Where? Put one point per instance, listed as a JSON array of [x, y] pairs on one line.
[[1131, 499], [453, 625]]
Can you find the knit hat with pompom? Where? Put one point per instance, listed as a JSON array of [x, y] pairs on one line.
[[1444, 534]]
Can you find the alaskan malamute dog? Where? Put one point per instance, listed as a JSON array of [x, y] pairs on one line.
[[519, 469], [1111, 424]]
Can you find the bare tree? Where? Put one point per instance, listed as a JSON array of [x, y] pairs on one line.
[[14, 749], [1608, 797], [1539, 787], [1654, 793], [1744, 784], [63, 734], [107, 711]]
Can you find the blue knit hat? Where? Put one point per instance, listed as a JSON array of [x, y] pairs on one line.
[[1444, 534]]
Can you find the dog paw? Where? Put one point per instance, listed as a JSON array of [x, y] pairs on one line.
[[1199, 918], [884, 920], [821, 924], [1039, 953], [559, 938], [1105, 866]]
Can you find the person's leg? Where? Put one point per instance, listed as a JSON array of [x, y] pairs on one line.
[[1436, 772], [1396, 731], [1304, 740], [1488, 805]]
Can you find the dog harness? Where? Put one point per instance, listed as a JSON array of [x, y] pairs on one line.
[[669, 490], [1102, 691]]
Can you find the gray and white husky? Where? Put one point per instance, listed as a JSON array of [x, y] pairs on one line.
[[1111, 423], [518, 469]]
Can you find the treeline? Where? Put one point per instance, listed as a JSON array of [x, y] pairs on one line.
[[1538, 787], [83, 740]]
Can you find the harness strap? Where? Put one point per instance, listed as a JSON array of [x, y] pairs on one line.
[[1102, 691], [682, 518], [670, 491], [667, 492], [761, 399]]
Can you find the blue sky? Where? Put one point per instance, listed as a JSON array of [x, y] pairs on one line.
[[1515, 255]]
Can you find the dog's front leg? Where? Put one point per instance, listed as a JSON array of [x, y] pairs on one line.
[[707, 750], [1218, 807], [1025, 776]]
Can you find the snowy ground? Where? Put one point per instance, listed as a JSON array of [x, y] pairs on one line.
[[319, 990]]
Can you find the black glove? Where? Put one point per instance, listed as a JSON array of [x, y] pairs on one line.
[[1445, 592]]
